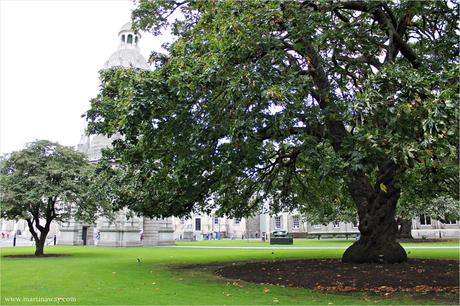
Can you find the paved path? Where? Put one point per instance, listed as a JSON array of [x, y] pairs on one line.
[[296, 247], [22, 242]]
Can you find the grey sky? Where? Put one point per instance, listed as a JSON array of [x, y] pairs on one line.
[[50, 55]]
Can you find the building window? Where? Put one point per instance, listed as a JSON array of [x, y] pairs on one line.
[[316, 226], [182, 220], [450, 222], [425, 220], [216, 220], [336, 224], [278, 222], [136, 39], [198, 224], [123, 38], [130, 39], [237, 220], [296, 222]]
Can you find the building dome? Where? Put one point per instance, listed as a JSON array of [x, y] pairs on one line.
[[128, 54], [126, 27], [128, 57]]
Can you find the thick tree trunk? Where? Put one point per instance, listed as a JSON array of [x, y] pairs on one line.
[[405, 227], [377, 224], [39, 247]]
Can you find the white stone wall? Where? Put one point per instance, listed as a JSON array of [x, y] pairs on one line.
[[435, 230], [227, 227], [21, 229]]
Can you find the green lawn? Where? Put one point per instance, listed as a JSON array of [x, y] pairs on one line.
[[98, 276], [303, 243]]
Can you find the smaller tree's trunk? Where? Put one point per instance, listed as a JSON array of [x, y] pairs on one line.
[[39, 240], [39, 247], [405, 227]]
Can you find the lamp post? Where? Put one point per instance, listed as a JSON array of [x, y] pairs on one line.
[[218, 224], [212, 223]]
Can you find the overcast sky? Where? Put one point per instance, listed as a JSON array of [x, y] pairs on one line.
[[50, 55]]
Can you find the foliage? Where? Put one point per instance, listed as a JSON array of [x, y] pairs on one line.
[[47, 181], [431, 190], [299, 103]]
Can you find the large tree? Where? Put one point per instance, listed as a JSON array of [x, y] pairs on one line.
[[46, 182], [299, 103]]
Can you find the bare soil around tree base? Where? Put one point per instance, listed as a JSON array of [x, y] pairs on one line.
[[331, 275]]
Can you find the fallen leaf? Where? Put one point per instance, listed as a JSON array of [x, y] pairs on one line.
[[237, 284]]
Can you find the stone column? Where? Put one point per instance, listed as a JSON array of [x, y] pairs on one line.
[[253, 226], [158, 232], [166, 232], [131, 232], [122, 232], [264, 225], [150, 232]]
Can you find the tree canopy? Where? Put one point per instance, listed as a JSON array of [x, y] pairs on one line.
[[318, 106], [47, 182]]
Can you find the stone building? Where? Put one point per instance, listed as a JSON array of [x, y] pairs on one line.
[[123, 231], [424, 227], [200, 226]]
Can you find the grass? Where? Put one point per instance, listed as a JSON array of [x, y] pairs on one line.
[[112, 276], [303, 243]]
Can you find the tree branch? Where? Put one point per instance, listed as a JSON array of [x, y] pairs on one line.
[[341, 16], [31, 229], [382, 18], [337, 132], [360, 60], [37, 220]]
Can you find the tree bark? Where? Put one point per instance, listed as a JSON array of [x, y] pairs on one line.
[[39, 240], [377, 224], [39, 246], [376, 205]]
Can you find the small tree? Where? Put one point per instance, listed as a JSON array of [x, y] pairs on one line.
[[46, 181]]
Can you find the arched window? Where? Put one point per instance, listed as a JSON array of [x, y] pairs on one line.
[[123, 38], [136, 39], [130, 39]]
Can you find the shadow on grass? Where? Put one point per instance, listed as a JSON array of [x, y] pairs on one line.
[[32, 256]]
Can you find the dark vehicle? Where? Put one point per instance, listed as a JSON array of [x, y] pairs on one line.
[[281, 237]]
